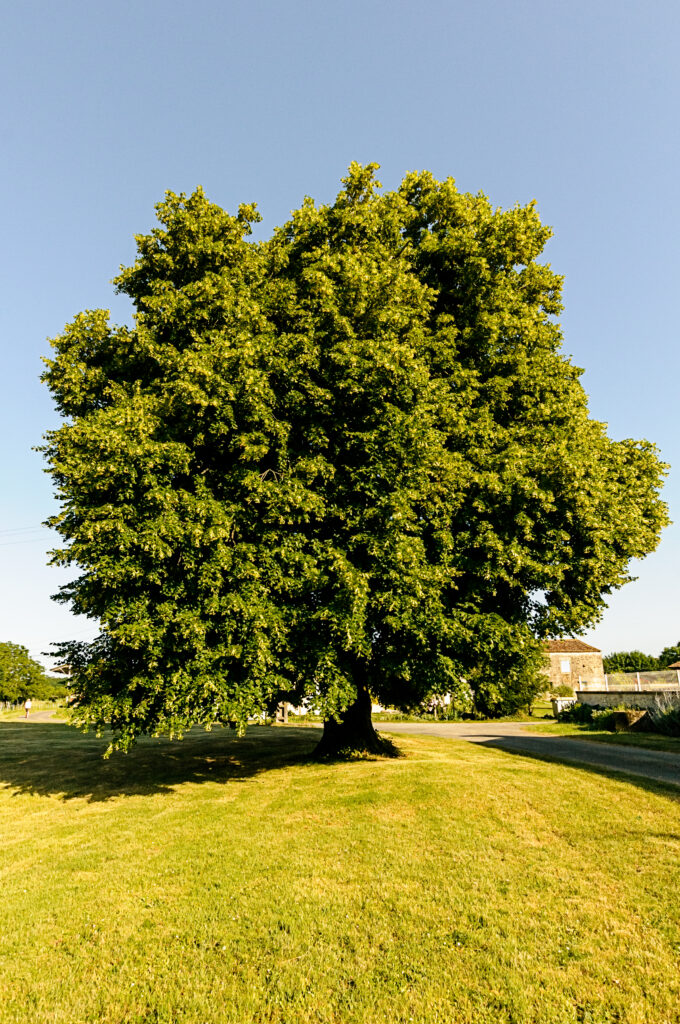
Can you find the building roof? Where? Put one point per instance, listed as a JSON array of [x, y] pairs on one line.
[[676, 664], [570, 647]]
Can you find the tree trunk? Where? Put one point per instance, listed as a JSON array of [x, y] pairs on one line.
[[354, 733]]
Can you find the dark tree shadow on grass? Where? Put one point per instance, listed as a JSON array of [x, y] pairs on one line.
[[59, 760]]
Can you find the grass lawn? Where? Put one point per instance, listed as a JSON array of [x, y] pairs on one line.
[[224, 880], [540, 708], [651, 741]]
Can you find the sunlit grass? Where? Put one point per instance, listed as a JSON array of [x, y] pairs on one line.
[[224, 880]]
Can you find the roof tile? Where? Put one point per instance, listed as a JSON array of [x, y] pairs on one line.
[[570, 646]]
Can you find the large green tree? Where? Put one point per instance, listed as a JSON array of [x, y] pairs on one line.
[[630, 661], [669, 655], [21, 676], [349, 460]]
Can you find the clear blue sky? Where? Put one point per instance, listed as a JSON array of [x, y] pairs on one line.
[[574, 104]]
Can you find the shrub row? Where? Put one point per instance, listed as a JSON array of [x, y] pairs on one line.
[[662, 717]]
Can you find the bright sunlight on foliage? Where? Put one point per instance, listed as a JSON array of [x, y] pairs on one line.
[[349, 459]]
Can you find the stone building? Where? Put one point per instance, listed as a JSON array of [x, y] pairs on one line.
[[571, 660]]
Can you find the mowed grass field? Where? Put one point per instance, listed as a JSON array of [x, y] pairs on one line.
[[224, 880]]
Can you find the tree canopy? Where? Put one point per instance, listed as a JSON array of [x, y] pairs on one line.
[[22, 676], [637, 661], [630, 661], [669, 655], [349, 459]]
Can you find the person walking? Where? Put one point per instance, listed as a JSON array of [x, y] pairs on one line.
[[28, 704]]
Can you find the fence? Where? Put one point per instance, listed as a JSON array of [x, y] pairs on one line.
[[643, 700], [639, 682]]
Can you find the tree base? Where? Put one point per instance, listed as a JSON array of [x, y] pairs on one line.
[[353, 734]]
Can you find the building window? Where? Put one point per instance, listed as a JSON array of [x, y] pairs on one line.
[[565, 666]]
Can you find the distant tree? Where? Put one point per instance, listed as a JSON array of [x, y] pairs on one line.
[[349, 460], [669, 655], [50, 689], [20, 675], [630, 661]]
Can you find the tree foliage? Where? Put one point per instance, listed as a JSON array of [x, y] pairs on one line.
[[350, 458], [21, 676], [637, 661], [630, 661], [669, 655]]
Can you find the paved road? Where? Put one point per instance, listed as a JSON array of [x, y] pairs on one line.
[[35, 716], [513, 737]]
